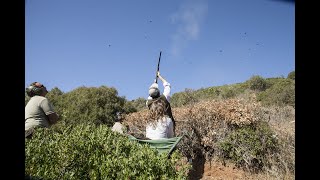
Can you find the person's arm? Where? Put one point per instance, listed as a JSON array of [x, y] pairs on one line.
[[53, 118], [49, 111], [166, 87], [161, 78]]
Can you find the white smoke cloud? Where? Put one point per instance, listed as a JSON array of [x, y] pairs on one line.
[[188, 20]]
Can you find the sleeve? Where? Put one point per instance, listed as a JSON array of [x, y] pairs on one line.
[[167, 90], [47, 107]]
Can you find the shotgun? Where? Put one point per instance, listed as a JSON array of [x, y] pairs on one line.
[[156, 80]]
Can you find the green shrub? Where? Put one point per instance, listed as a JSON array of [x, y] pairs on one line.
[[272, 81], [227, 92], [280, 94], [54, 95], [98, 105], [208, 93], [257, 83], [94, 152], [190, 96], [183, 98], [292, 75], [128, 107], [249, 146], [139, 103]]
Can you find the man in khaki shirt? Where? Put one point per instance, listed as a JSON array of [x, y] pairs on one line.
[[39, 112]]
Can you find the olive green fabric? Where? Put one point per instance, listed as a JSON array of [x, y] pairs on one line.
[[161, 145]]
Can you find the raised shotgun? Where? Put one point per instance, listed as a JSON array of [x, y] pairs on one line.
[[156, 80]]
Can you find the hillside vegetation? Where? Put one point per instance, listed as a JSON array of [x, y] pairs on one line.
[[249, 124]]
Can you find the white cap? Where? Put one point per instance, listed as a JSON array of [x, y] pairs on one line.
[[154, 91]]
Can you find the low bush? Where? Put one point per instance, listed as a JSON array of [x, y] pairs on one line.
[[87, 151], [95, 104], [257, 83], [282, 93], [249, 146]]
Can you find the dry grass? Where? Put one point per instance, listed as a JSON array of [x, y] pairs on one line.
[[207, 122], [282, 121]]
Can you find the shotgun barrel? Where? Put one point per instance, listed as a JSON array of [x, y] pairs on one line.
[[156, 80]]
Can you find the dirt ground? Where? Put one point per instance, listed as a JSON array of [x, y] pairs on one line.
[[219, 171]]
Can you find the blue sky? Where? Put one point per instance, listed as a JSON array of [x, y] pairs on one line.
[[116, 43]]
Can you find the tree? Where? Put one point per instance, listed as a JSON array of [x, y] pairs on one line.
[[54, 95], [98, 105], [292, 75], [257, 83]]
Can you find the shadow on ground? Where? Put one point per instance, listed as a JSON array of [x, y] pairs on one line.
[[197, 170]]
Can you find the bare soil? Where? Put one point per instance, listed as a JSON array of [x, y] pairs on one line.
[[222, 171], [218, 171]]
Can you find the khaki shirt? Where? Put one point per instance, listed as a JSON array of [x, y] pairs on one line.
[[36, 112], [118, 127]]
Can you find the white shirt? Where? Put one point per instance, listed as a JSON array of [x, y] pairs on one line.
[[163, 129]]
